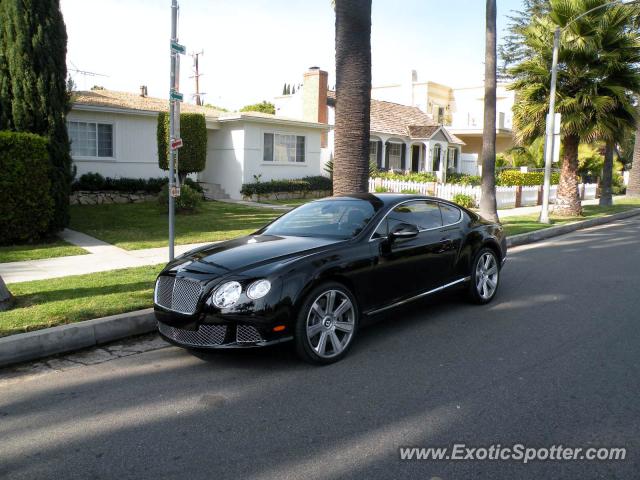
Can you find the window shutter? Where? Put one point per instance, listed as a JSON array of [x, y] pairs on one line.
[[379, 154], [403, 157], [386, 157], [300, 149], [267, 155]]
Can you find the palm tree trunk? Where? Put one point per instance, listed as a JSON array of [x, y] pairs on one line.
[[606, 198], [488, 206], [568, 202], [6, 299], [353, 97], [633, 188]]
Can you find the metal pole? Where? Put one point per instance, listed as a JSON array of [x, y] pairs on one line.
[[551, 128], [172, 106]]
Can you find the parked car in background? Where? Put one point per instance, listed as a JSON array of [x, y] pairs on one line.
[[315, 274]]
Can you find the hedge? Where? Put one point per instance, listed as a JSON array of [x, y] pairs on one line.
[[306, 184], [26, 206], [510, 178], [464, 179], [192, 156], [94, 182], [419, 177]]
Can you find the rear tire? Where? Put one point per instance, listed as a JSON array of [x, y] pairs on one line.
[[327, 324], [485, 277]]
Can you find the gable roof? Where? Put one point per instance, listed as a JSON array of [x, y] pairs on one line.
[[132, 101], [398, 119]]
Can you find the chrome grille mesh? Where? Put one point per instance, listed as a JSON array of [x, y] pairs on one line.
[[247, 334], [178, 294], [205, 336]]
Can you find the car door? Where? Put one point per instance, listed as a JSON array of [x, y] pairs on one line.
[[405, 267], [452, 236]]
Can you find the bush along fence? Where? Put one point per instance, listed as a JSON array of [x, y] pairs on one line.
[[306, 187], [506, 196]]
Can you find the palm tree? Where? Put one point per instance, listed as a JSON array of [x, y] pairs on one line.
[[597, 70], [353, 96], [488, 205], [633, 188], [6, 299]]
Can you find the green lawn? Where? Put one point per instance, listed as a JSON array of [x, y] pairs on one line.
[[529, 223], [144, 225], [35, 251], [47, 303]]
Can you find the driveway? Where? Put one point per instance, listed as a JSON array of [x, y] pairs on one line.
[[554, 360]]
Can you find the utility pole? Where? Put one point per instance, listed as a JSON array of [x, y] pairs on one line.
[[175, 142], [197, 75]]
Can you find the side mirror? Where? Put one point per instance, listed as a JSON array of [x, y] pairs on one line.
[[403, 231]]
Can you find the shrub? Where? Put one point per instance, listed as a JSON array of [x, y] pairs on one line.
[[464, 200], [188, 202], [193, 131], [301, 185], [94, 182], [510, 178], [617, 184], [420, 177], [381, 189], [410, 191], [26, 205], [464, 179]]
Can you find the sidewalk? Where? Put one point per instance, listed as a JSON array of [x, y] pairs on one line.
[[104, 256]]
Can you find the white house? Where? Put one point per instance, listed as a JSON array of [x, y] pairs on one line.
[[403, 137], [114, 134]]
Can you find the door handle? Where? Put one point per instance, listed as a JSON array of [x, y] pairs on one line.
[[445, 244]]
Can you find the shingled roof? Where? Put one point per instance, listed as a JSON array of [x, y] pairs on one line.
[[396, 119], [132, 101]]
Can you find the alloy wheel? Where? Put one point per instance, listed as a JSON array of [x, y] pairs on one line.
[[330, 323], [486, 275]]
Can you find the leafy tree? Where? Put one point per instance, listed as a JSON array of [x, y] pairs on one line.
[[488, 204], [293, 90], [264, 107], [353, 96], [221, 109], [33, 89], [284, 89], [598, 61], [192, 157]]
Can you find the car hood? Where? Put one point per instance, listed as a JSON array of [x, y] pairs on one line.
[[248, 252]]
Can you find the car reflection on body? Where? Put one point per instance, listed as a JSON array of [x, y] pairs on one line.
[[318, 272]]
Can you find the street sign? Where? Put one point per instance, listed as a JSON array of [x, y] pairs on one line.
[[176, 96], [175, 191], [176, 143], [177, 48]]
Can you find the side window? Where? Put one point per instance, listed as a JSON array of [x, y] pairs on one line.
[[424, 215], [382, 230], [450, 214]]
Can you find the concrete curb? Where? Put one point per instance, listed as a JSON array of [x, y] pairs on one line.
[[543, 234], [23, 347], [75, 336]]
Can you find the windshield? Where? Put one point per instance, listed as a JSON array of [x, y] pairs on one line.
[[340, 219]]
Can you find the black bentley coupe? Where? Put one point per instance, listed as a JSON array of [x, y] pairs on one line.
[[313, 275]]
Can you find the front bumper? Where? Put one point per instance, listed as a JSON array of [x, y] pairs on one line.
[[210, 336]]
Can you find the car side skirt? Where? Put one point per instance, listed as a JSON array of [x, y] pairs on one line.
[[420, 295]]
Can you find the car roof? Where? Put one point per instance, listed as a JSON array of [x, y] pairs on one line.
[[386, 198]]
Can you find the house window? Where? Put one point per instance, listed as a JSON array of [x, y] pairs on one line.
[[395, 156], [281, 148], [373, 152], [90, 139]]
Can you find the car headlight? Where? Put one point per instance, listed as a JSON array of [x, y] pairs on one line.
[[227, 294], [258, 289]]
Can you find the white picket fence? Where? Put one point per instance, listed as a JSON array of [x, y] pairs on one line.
[[505, 196]]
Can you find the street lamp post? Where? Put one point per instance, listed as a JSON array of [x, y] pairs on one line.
[[550, 131]]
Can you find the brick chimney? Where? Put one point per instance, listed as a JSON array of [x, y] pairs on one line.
[[314, 98]]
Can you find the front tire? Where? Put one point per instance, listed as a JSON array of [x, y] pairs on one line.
[[485, 277], [327, 324]]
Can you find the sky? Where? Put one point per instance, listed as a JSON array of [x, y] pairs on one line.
[[252, 47]]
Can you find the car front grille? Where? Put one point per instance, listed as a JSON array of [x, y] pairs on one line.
[[205, 336], [178, 294], [247, 334]]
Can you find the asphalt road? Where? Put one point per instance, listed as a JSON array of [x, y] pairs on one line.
[[554, 360]]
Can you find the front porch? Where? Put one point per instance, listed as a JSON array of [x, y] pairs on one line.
[[398, 154]]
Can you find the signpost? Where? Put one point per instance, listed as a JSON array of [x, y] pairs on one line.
[[175, 97]]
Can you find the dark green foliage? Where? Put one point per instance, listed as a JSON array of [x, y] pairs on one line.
[[302, 185], [33, 94], [264, 107], [464, 200], [26, 206], [94, 182], [192, 156], [510, 178], [464, 179], [188, 201]]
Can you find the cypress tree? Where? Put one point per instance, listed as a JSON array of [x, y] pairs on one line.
[[33, 94], [284, 89]]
